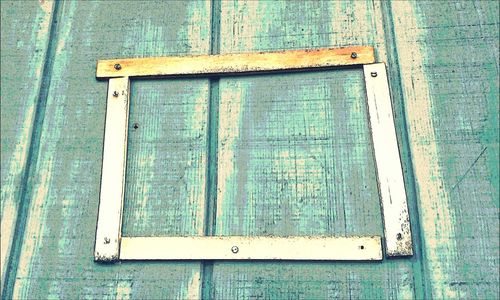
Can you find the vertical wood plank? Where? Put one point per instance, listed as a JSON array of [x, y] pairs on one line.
[[295, 153], [25, 29], [57, 258], [448, 57]]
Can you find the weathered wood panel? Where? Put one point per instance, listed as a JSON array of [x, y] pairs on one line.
[[295, 154], [301, 141], [56, 257], [25, 34], [448, 58]]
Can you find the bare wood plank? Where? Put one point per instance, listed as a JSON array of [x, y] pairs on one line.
[[243, 247], [235, 63], [113, 171], [390, 176]]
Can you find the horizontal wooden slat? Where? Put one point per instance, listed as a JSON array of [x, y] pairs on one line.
[[235, 63], [244, 247]]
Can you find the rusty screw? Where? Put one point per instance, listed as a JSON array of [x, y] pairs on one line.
[[354, 55], [235, 249], [118, 66], [115, 93], [374, 74], [106, 240]]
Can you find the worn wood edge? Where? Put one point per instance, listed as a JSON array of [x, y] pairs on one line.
[[235, 63], [393, 199], [108, 231], [356, 248]]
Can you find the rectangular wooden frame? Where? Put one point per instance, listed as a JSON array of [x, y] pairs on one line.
[[110, 246]]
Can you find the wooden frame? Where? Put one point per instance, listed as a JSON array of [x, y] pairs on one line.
[[110, 246]]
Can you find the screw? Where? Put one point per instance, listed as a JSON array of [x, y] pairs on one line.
[[106, 240], [374, 74], [354, 55], [235, 249], [115, 93], [136, 125], [118, 66], [399, 236]]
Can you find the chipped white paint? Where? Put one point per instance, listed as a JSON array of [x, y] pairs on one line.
[[34, 230], [229, 133], [194, 286], [242, 247], [198, 122], [392, 190], [64, 35], [198, 37], [123, 290], [9, 204], [17, 163], [436, 219], [239, 40], [109, 222]]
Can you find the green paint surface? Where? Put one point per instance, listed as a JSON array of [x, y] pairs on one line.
[[277, 154]]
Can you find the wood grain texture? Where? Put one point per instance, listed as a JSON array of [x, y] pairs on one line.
[[294, 155], [25, 29], [443, 67], [448, 57], [165, 183], [235, 63], [57, 256]]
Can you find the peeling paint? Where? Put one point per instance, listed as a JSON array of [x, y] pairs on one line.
[[436, 219], [34, 230], [231, 102], [17, 162], [123, 290], [194, 286]]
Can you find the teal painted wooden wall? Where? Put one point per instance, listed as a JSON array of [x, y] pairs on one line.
[[272, 154]]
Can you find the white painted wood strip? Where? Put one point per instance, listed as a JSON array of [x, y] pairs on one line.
[[254, 248], [389, 171], [107, 245]]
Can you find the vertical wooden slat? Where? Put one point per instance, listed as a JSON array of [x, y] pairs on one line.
[[389, 171], [114, 163]]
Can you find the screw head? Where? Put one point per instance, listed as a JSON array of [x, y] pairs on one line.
[[107, 240], [235, 249], [136, 125], [354, 55], [118, 66], [399, 236], [115, 93], [374, 74]]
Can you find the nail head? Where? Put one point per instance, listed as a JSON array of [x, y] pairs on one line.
[[118, 66], [354, 55], [235, 249]]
